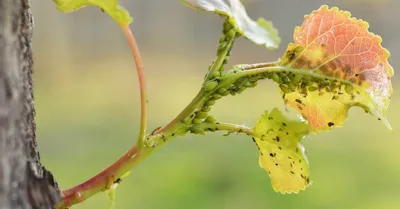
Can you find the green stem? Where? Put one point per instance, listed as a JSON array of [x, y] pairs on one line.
[[226, 42], [262, 68], [227, 81], [114, 172], [140, 151], [143, 148], [225, 45]]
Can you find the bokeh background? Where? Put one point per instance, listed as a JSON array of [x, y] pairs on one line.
[[87, 101]]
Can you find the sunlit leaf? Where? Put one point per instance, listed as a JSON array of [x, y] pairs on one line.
[[111, 7], [261, 32], [281, 153], [331, 43]]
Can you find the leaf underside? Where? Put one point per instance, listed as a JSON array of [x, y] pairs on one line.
[[331, 43], [281, 153], [111, 7], [261, 32]]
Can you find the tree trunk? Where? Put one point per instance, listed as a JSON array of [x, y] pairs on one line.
[[24, 183]]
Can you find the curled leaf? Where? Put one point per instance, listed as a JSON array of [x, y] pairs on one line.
[[111, 7], [331, 43], [261, 32], [281, 153]]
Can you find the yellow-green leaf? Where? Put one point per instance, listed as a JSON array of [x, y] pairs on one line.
[[332, 44], [281, 153], [111, 7], [261, 32]]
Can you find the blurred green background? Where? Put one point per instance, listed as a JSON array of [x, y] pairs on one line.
[[87, 102]]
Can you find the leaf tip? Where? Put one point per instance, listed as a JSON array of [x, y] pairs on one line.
[[190, 5], [269, 28], [386, 122]]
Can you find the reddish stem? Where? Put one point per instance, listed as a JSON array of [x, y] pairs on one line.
[[142, 80], [101, 181], [111, 174]]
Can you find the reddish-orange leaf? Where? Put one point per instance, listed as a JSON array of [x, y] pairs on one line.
[[331, 43]]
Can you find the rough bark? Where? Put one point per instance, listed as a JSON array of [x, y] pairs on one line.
[[24, 183]]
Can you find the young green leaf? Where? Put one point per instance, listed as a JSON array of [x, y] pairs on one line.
[[331, 43], [281, 153], [261, 32], [111, 7]]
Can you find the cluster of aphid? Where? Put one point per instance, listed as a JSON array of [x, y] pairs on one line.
[[291, 82], [215, 89], [212, 86], [225, 45], [296, 58], [219, 84]]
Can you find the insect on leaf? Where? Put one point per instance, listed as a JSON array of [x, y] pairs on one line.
[[332, 44], [111, 7], [261, 32], [281, 153]]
